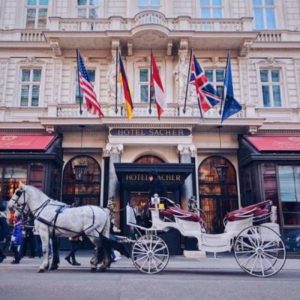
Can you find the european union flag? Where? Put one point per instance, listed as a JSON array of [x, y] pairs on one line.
[[230, 105]]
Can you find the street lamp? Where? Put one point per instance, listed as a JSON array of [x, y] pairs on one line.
[[222, 172], [80, 168]]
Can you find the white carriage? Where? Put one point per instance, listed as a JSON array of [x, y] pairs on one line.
[[258, 249]]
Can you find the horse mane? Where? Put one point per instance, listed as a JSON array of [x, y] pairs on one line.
[[42, 194]]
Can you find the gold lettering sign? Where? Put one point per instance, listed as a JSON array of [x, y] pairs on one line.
[[150, 132], [145, 177]]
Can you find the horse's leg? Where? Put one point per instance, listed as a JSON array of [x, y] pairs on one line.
[[55, 250], [94, 260], [44, 234], [106, 254]]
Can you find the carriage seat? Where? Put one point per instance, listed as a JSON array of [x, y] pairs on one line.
[[257, 210], [172, 212]]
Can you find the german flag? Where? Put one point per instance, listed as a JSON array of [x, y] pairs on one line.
[[126, 90]]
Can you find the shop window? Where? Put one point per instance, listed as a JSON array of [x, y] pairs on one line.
[[149, 159], [217, 191], [149, 5], [79, 93], [144, 83], [36, 176], [36, 13], [289, 192], [216, 78], [88, 9], [264, 14], [10, 178], [211, 8], [271, 87], [82, 181], [30, 87]]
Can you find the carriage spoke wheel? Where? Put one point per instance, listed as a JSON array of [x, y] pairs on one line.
[[260, 251], [150, 254]]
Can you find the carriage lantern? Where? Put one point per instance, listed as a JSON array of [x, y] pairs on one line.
[[80, 168]]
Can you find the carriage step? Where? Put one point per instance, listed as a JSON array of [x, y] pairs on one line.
[[192, 254]]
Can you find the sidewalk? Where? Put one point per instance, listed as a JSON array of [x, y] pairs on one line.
[[223, 261]]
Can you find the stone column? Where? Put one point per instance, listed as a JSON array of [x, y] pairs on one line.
[[114, 151], [186, 152]]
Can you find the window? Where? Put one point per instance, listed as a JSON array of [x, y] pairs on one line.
[[264, 14], [216, 78], [36, 15], [211, 8], [78, 93], [88, 8], [271, 87], [148, 5], [30, 87], [144, 82], [149, 159]]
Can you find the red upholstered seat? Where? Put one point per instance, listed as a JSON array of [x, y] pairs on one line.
[[255, 210], [175, 211]]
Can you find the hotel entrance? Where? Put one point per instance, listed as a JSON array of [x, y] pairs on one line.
[[134, 189]]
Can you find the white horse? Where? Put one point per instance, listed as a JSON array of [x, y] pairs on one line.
[[54, 218]]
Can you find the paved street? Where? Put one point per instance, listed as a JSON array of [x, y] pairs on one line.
[[205, 278]]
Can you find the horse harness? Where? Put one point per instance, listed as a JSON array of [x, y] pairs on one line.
[[36, 214]]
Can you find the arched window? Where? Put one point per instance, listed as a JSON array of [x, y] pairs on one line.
[[82, 181], [149, 159], [217, 191]]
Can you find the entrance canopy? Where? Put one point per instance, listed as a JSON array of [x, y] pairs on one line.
[[132, 175]]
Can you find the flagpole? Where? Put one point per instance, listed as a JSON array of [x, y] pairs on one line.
[[79, 89], [150, 109], [187, 82], [223, 96], [116, 98]]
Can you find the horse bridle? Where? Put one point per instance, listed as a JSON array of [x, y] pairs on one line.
[[19, 207]]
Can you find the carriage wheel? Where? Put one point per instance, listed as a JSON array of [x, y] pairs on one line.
[[150, 254], [260, 251]]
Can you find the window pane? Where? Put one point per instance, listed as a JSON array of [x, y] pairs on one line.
[[43, 12], [205, 13], [217, 2], [220, 91], [35, 95], [257, 2], [143, 2], [287, 183], [144, 75], [266, 96], [37, 75], [94, 2], [43, 2], [144, 93], [204, 2], [82, 13], [259, 20], [31, 2], [276, 96], [24, 95], [217, 13], [269, 2], [270, 18], [297, 181], [81, 2], [93, 13], [25, 75], [275, 75], [155, 2], [220, 75], [264, 76], [210, 75], [91, 74], [30, 20]]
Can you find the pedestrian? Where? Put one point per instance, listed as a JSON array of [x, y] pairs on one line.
[[156, 186], [16, 240], [70, 258], [29, 239], [3, 233]]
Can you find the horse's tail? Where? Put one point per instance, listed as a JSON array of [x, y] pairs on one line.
[[106, 228]]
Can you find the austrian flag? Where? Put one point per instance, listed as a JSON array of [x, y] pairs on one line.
[[156, 85]]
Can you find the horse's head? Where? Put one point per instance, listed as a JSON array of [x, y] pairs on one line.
[[18, 200]]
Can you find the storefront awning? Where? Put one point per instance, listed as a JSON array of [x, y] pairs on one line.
[[25, 142], [274, 143]]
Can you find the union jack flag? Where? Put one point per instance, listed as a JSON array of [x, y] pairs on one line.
[[86, 86], [207, 95]]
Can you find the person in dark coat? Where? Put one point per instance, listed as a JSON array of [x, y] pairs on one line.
[[3, 234], [156, 186], [29, 239]]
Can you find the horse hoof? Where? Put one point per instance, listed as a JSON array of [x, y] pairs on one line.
[[54, 267], [102, 269], [41, 271], [93, 270]]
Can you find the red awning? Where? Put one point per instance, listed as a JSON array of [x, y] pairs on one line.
[[25, 142], [275, 143]]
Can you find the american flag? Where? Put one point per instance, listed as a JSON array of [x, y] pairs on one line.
[[207, 95], [87, 88]]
